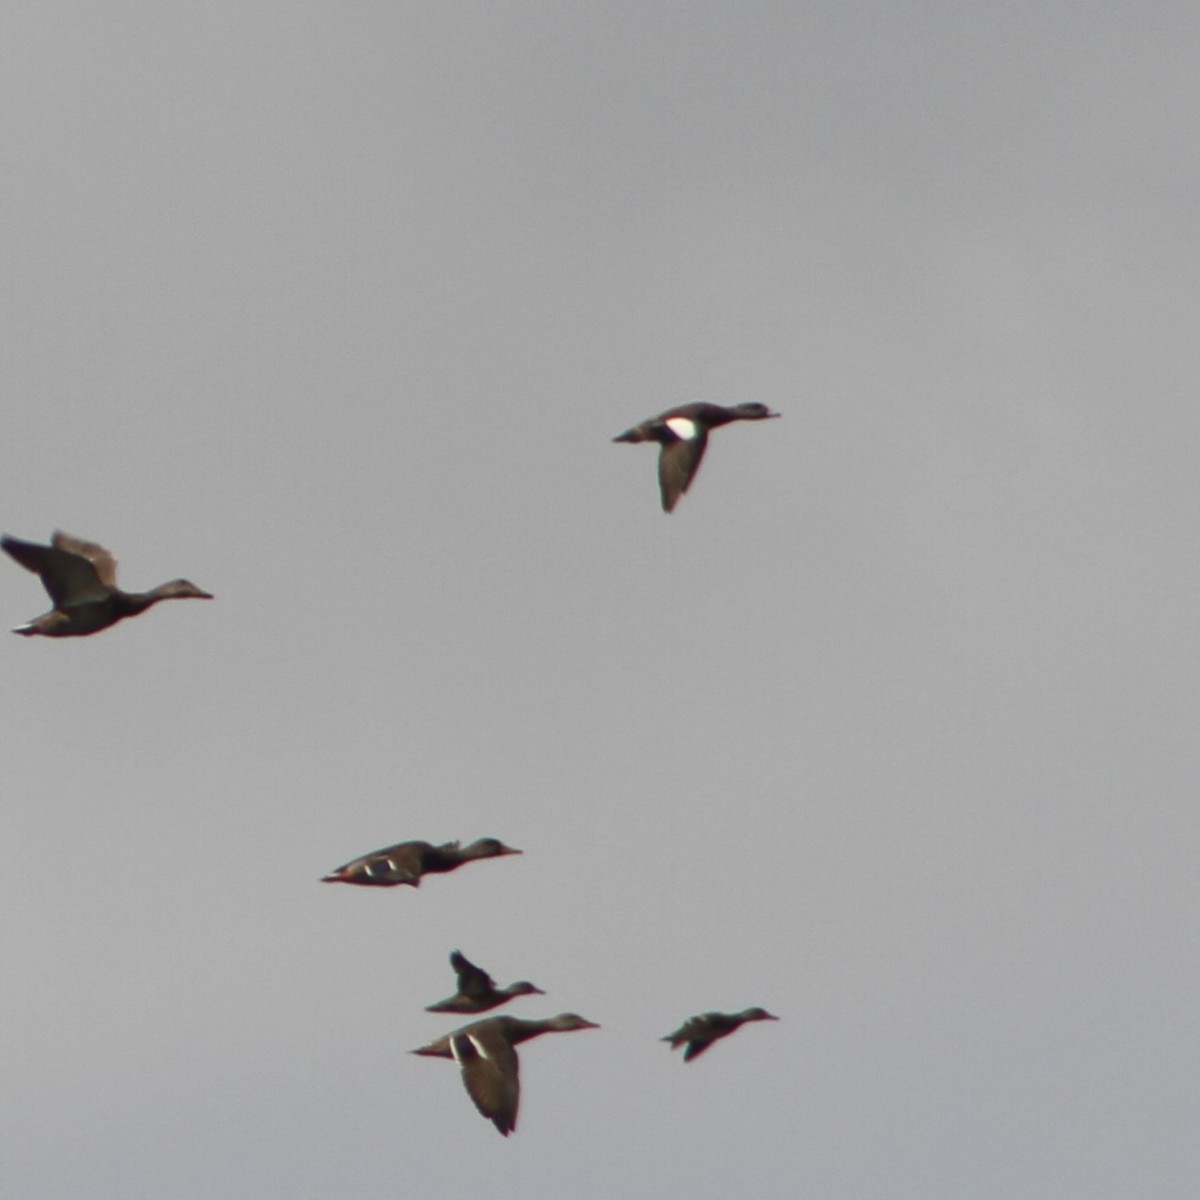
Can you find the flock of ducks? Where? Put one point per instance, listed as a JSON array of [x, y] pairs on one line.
[[485, 1051], [81, 580]]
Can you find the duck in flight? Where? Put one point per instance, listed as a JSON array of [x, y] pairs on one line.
[[406, 862], [486, 1053], [699, 1032], [683, 435], [81, 579], [477, 990]]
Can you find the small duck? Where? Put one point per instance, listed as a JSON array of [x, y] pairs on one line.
[[406, 862], [701, 1031], [477, 990], [81, 578], [486, 1053], [683, 434]]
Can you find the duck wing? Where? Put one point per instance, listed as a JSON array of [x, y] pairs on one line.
[[102, 560], [490, 1071], [697, 1047], [472, 980], [397, 864], [696, 1034], [678, 463], [68, 578], [389, 867]]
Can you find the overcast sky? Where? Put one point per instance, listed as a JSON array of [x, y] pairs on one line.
[[891, 728]]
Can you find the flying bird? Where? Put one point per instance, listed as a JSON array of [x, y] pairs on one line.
[[406, 862], [81, 579], [486, 1053], [477, 990], [698, 1033], [683, 434]]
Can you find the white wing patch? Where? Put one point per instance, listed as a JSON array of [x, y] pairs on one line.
[[681, 427], [456, 1047]]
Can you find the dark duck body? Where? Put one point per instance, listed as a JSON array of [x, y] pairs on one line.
[[406, 862], [486, 1053], [683, 435], [699, 1032], [81, 579], [477, 990]]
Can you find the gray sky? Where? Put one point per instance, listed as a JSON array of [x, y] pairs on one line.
[[891, 728]]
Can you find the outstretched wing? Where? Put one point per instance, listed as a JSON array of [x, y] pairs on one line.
[[472, 980], [68, 578], [678, 463], [491, 1077], [103, 560]]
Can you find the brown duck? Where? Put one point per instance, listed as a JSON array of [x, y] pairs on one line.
[[683, 434], [81, 578], [486, 1053], [406, 862], [698, 1033], [477, 990]]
